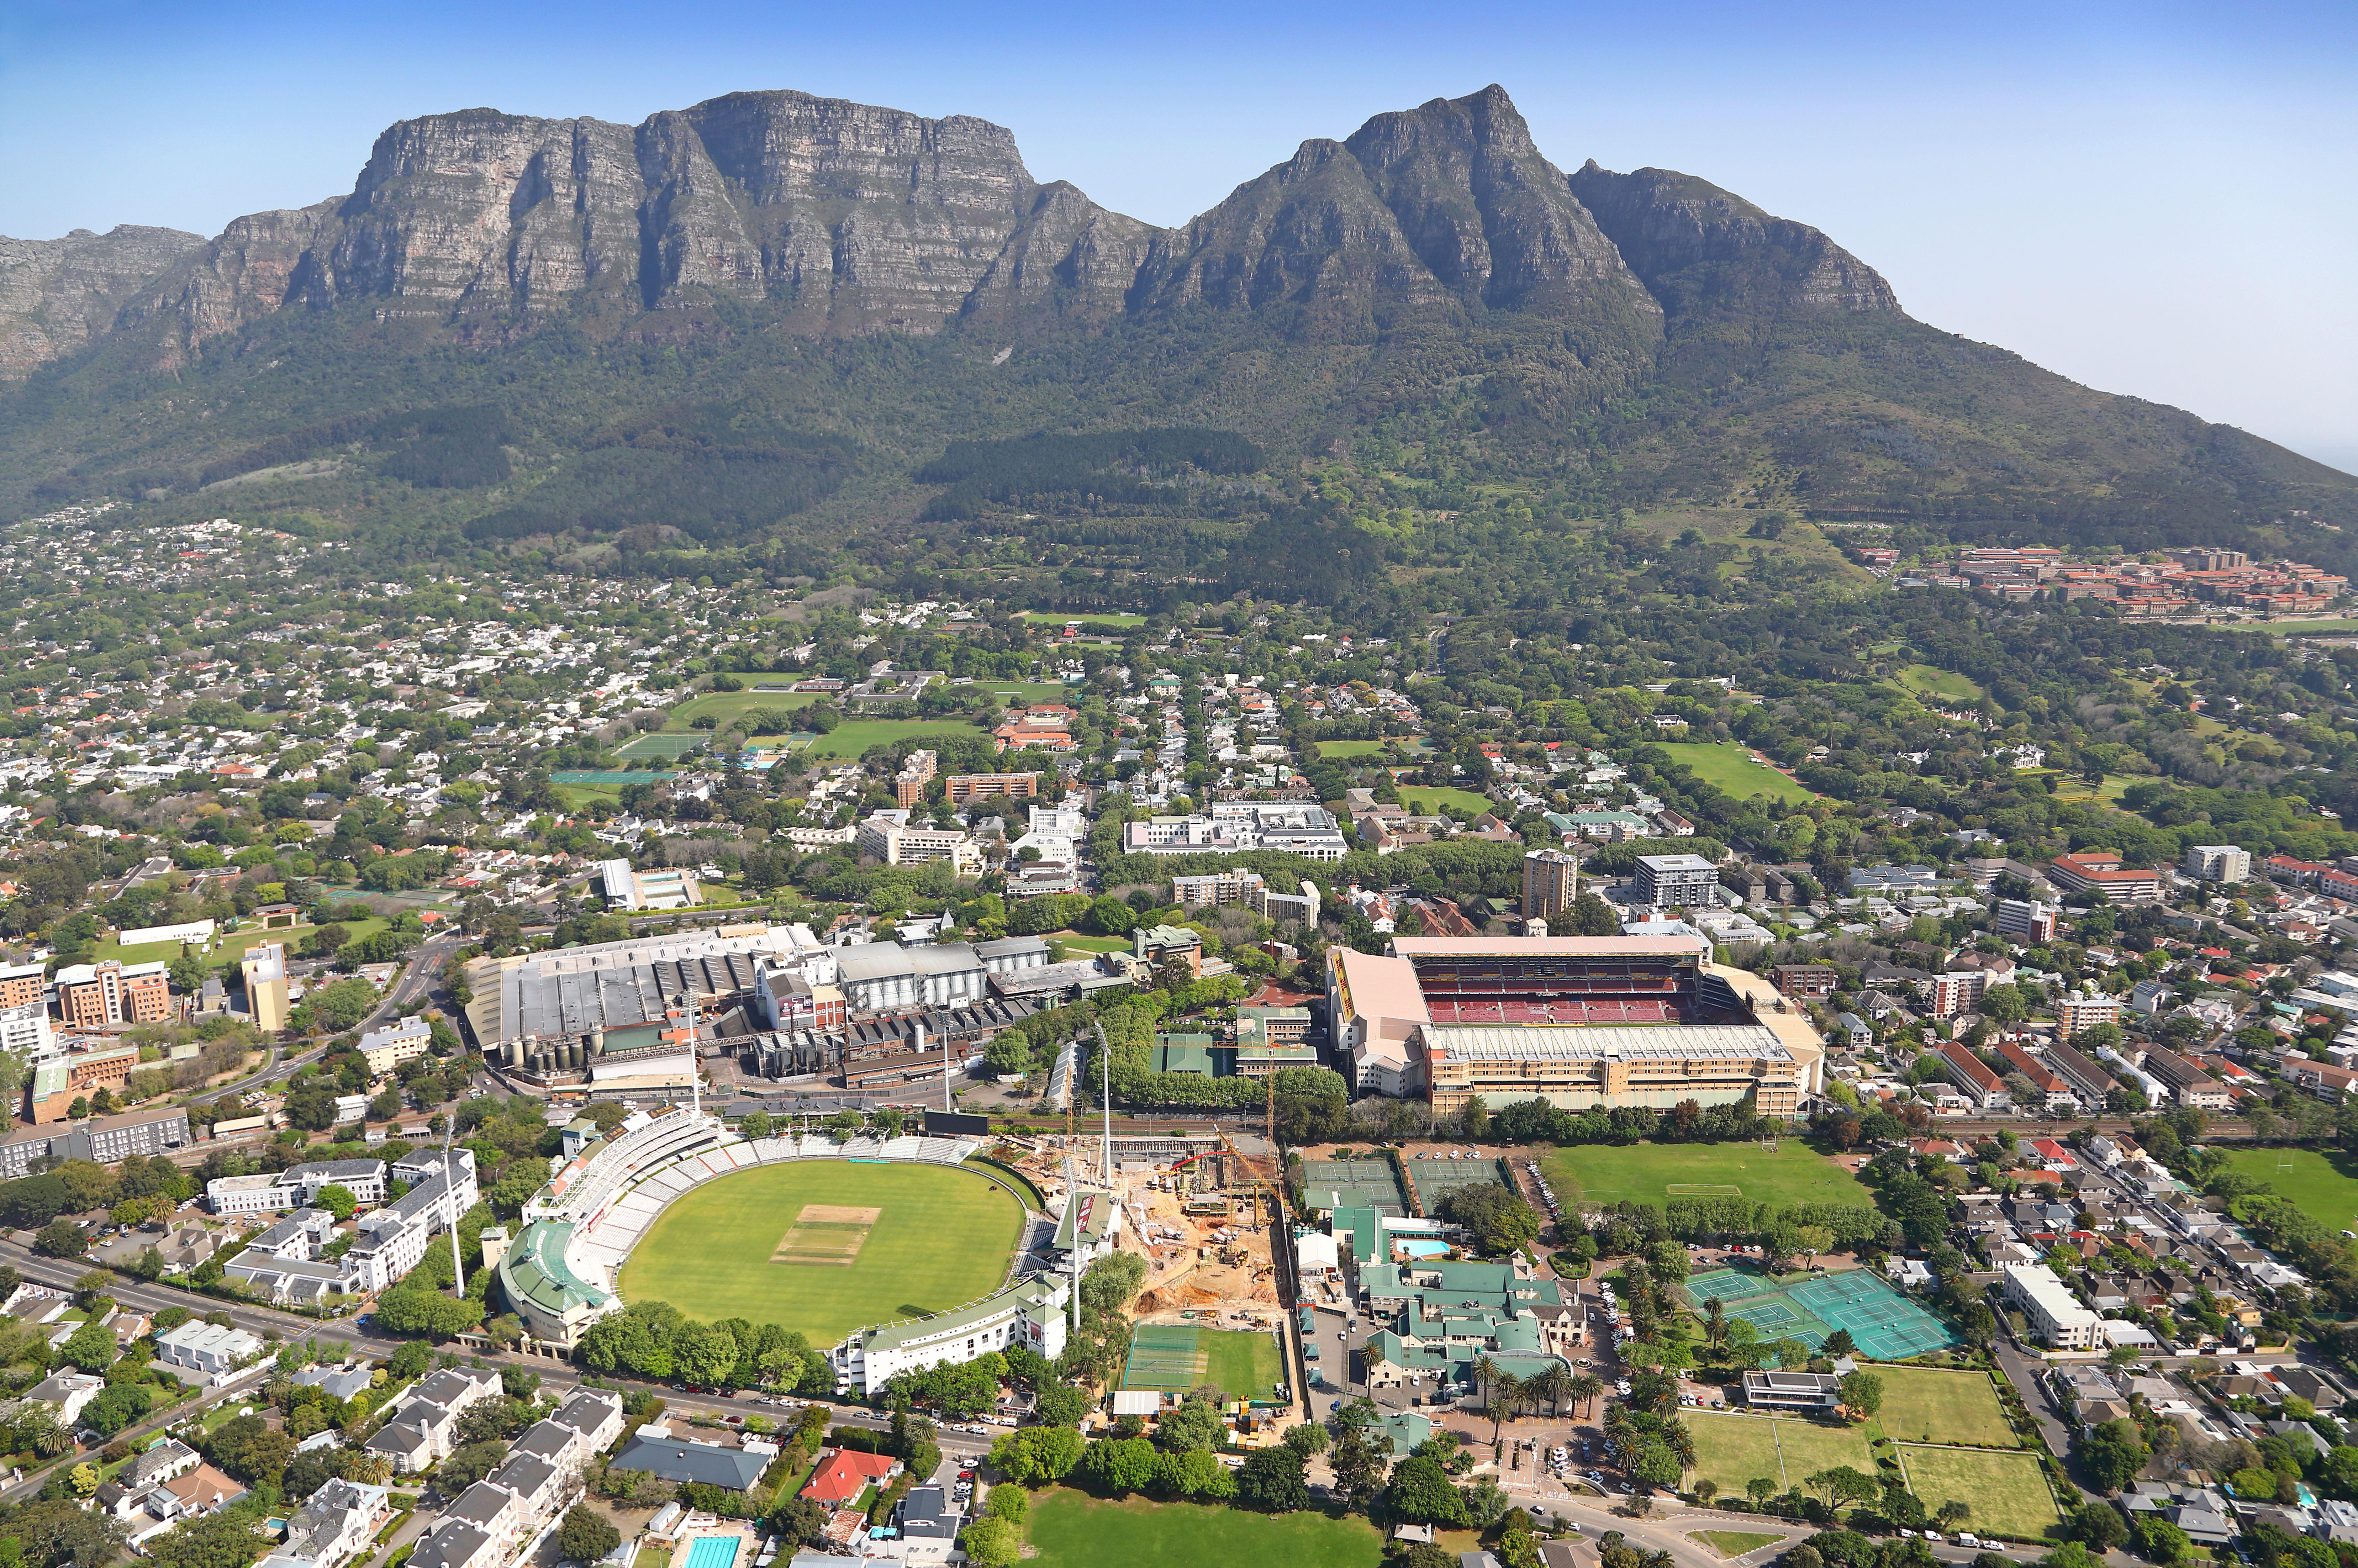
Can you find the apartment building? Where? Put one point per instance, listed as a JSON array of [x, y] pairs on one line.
[[102, 1138], [1677, 882], [111, 993], [425, 1424], [389, 1045], [2188, 1084], [888, 837], [1238, 826], [58, 1082], [1956, 991], [965, 787], [263, 969], [2217, 863], [2100, 871], [2079, 1011], [23, 985], [2025, 918], [2056, 1094], [24, 1031], [2091, 1082], [917, 771], [1980, 1086], [1551, 883], [2056, 1316], [297, 1186], [1805, 982], [1376, 1009]]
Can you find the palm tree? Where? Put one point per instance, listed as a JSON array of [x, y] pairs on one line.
[[1714, 1322], [1587, 1388], [1680, 1443], [1552, 1384], [1486, 1373], [1505, 1396]]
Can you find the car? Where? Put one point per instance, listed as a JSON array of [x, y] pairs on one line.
[[1906, 1535], [1934, 1536], [1967, 1537]]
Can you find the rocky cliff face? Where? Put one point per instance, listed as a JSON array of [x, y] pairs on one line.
[[1700, 249], [858, 219], [1450, 202], [56, 295]]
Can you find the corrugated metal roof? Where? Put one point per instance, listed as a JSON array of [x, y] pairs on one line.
[[1693, 1041]]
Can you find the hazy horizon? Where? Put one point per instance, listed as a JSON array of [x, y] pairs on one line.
[[2160, 201]]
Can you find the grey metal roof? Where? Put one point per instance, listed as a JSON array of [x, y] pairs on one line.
[[674, 1460], [881, 961]]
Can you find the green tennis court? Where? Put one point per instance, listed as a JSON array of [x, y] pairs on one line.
[[1355, 1184], [1883, 1323]]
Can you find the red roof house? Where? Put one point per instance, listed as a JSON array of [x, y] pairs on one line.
[[844, 1474]]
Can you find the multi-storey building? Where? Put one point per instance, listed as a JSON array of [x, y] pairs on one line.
[[1551, 883], [964, 787], [916, 771], [2100, 871], [1604, 1066], [2091, 1082], [2056, 1316], [265, 972], [102, 1138], [2217, 863], [111, 993], [2030, 921], [2079, 1011], [897, 842], [58, 1082], [387, 1047], [1677, 882], [1805, 982], [1980, 1086], [22, 985], [2189, 1084]]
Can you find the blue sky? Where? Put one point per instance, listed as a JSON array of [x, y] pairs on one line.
[[2156, 199]]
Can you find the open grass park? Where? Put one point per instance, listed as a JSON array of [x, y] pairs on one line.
[[1654, 1173], [828, 1246], [1347, 751], [1094, 620], [854, 736], [1425, 800], [1925, 1404], [1730, 769], [1243, 1363], [1736, 1450], [1929, 683], [2007, 1492], [1072, 1530], [233, 945], [2322, 1184]]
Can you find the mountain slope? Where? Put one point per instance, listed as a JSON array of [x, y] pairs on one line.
[[755, 319], [56, 295]]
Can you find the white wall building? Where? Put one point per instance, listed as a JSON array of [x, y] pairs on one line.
[[2056, 1316], [1029, 1312]]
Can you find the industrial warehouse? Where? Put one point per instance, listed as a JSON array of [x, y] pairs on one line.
[[1579, 1022]]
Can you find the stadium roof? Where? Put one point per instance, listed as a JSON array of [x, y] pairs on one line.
[[535, 1269], [1547, 946], [1683, 1043]]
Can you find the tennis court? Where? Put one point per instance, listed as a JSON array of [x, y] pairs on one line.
[[1355, 1184], [1884, 1323], [1165, 1356], [1437, 1179], [661, 745]]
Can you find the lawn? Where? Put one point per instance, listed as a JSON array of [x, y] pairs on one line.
[[1426, 800], [853, 736], [1026, 690], [1344, 750], [710, 1254], [1946, 687], [1922, 1403], [1119, 621], [1736, 1449], [1604, 1173], [1730, 769], [2322, 1185], [1244, 1363], [1071, 1529], [668, 746], [1734, 1542], [726, 706], [1081, 944], [2007, 1492], [234, 943]]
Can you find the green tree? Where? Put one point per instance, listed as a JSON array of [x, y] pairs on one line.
[[1862, 1394], [60, 1238], [1420, 1493], [1498, 1220], [1035, 1456], [993, 1543], [90, 1348], [1273, 1481], [587, 1535], [338, 1201], [215, 1541]]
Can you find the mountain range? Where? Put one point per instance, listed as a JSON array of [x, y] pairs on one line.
[[831, 293]]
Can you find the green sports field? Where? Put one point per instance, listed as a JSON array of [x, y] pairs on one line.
[[853, 736], [1926, 1404], [1937, 685], [1424, 800], [2322, 1185], [1645, 1172], [1734, 1450], [2007, 1492], [1730, 769], [716, 1253], [1113, 620], [1072, 1530]]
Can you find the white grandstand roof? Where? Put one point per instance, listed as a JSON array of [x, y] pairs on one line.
[[1522, 1042]]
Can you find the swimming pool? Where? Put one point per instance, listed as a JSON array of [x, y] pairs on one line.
[[711, 1551], [1423, 1249]]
